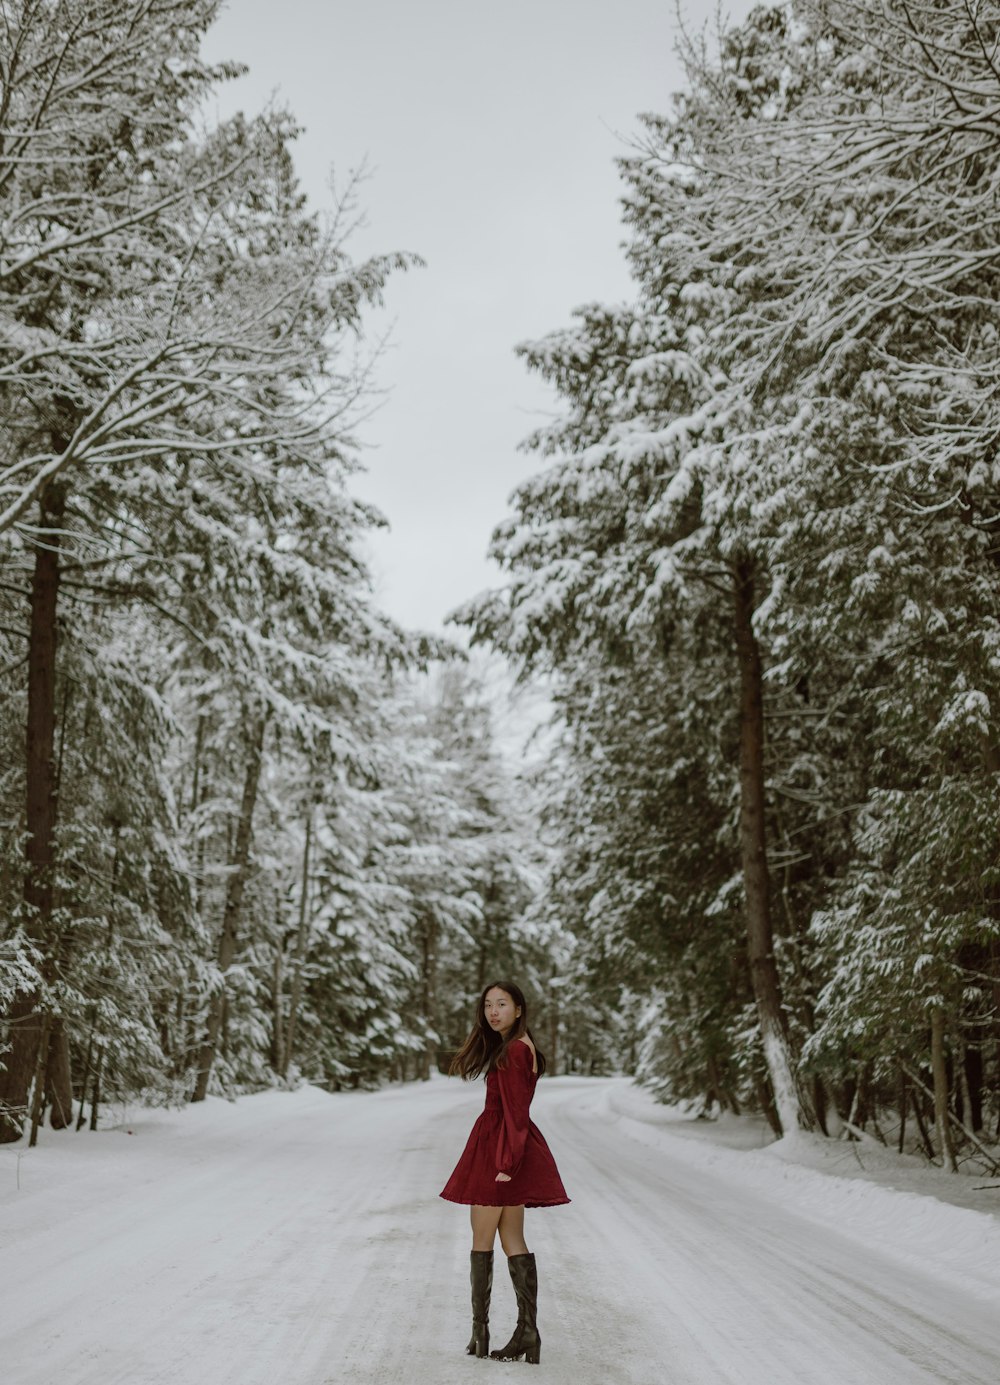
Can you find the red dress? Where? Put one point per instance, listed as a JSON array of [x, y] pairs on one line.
[[504, 1140]]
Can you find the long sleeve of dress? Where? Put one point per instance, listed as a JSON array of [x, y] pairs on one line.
[[516, 1088]]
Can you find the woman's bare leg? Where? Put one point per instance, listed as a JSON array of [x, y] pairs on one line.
[[484, 1226], [511, 1225]]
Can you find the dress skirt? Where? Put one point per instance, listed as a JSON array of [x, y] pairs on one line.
[[505, 1140]]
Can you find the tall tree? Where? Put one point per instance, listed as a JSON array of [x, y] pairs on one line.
[[184, 373]]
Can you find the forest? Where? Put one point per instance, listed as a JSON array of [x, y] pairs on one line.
[[254, 833]]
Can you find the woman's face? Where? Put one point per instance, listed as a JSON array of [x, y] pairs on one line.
[[501, 1012]]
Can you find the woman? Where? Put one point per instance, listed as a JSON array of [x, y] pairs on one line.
[[506, 1165]]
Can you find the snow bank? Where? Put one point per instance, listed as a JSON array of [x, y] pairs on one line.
[[919, 1223]]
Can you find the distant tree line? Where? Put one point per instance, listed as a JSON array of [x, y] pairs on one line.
[[242, 835], [761, 564]]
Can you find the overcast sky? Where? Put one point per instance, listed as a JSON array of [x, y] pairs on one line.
[[490, 132]]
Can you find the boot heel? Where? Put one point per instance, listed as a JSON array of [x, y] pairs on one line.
[[533, 1355], [480, 1344]]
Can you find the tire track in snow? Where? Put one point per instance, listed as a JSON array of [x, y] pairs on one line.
[[744, 1291], [299, 1240]]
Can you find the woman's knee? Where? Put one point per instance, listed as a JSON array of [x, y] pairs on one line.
[[484, 1227], [512, 1245]]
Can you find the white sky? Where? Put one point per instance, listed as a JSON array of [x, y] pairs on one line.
[[490, 132]]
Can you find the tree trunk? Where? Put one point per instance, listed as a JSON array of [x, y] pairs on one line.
[[428, 1058], [791, 1103], [301, 939], [59, 1078], [239, 863], [765, 1100], [939, 1068], [199, 792], [41, 1063], [199, 740], [955, 1078], [85, 1080], [487, 948], [223, 1043], [95, 1100], [918, 1114], [277, 989], [973, 1067], [819, 1104], [40, 806], [553, 1053]]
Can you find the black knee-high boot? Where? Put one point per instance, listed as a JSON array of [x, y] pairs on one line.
[[525, 1341], [482, 1283]]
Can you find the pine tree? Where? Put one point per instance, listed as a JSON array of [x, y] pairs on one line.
[[184, 404]]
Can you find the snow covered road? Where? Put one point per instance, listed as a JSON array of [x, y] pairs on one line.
[[297, 1239]]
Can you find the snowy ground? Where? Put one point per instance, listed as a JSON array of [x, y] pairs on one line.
[[297, 1239]]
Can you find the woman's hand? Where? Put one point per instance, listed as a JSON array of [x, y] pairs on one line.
[[502, 1178]]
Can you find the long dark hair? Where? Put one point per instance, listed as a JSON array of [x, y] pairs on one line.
[[485, 1048]]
